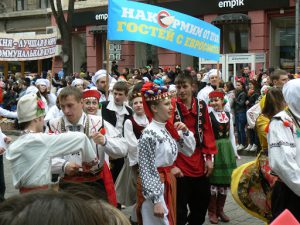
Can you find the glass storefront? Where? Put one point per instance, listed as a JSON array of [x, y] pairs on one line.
[[282, 43]]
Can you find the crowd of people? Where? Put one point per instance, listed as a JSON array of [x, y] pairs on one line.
[[163, 141]]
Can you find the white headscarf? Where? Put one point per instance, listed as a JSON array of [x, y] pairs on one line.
[[76, 82], [99, 74], [214, 72], [291, 94], [42, 82]]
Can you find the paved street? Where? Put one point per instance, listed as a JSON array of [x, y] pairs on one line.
[[237, 215]]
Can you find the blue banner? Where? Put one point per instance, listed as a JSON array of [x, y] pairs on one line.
[[134, 21]]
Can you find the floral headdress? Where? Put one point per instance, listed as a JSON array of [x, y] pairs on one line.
[[152, 92]]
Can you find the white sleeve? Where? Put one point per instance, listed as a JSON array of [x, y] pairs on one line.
[[187, 143], [70, 142], [282, 155], [116, 146], [232, 136], [7, 113], [202, 95], [132, 143]]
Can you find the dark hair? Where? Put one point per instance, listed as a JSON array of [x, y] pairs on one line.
[[48, 208], [242, 83], [121, 86], [229, 86], [184, 78], [274, 102], [70, 91], [277, 73]]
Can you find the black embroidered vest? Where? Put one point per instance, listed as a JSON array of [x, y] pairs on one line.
[[221, 130], [201, 109]]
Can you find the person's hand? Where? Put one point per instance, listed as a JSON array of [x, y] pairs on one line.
[[180, 126], [2, 150], [98, 138], [209, 166], [159, 210], [7, 140], [71, 168], [177, 172]]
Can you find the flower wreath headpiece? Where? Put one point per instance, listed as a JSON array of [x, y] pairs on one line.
[[40, 110], [152, 92]]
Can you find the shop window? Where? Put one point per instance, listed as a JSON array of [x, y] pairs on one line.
[[235, 38], [44, 4], [282, 43], [19, 5]]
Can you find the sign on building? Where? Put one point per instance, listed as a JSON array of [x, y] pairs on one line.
[[115, 51], [25, 47]]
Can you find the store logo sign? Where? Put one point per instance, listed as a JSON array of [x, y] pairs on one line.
[[231, 3]]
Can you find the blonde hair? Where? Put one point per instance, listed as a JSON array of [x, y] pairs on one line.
[[109, 214]]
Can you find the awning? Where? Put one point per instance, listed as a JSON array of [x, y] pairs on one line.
[[98, 29], [231, 18]]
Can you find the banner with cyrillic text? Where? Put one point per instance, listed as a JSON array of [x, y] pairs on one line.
[[134, 21], [25, 47]]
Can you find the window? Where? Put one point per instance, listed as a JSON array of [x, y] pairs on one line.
[[44, 4], [282, 43], [235, 38], [19, 5]]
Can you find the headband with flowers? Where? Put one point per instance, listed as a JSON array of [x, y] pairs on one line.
[[152, 92]]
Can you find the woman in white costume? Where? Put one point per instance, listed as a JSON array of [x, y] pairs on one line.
[[158, 148], [284, 153]]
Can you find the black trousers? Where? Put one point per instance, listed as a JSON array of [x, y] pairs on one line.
[[284, 198], [116, 167], [193, 192], [2, 179]]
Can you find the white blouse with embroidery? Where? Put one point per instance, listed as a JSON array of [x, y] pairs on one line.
[[156, 149]]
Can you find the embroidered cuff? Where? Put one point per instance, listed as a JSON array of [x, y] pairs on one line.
[[186, 133], [155, 199]]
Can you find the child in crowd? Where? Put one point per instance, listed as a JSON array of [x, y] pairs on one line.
[[225, 160]]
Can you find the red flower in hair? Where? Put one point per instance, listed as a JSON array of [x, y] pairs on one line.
[[40, 104], [147, 86]]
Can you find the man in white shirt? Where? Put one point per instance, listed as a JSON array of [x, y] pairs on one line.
[[116, 113], [31, 154], [107, 142]]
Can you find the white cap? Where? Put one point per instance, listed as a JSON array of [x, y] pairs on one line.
[[76, 81], [213, 72], [42, 82], [99, 74], [29, 108], [31, 90]]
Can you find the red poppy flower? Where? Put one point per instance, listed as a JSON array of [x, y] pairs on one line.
[[41, 104], [103, 131]]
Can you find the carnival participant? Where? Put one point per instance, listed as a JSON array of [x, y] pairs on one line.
[[225, 160], [99, 80], [192, 172], [54, 111], [133, 128], [31, 154], [284, 157], [158, 148], [91, 103], [49, 99], [116, 112], [107, 140], [77, 83], [214, 81], [239, 106]]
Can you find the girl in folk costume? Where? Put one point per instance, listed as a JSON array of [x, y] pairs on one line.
[[78, 83], [225, 160], [133, 128], [158, 148], [91, 103], [49, 99]]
